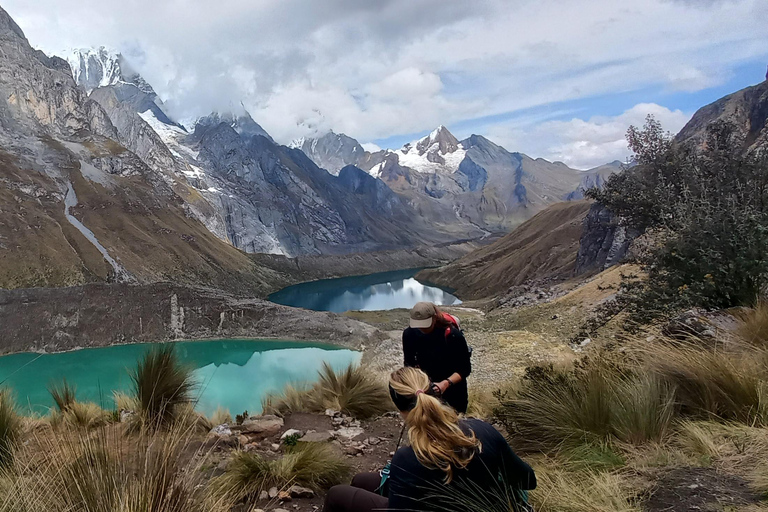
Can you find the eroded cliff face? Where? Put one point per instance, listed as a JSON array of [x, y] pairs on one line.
[[57, 319], [604, 241]]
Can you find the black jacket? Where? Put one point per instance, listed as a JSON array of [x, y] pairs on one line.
[[495, 471], [440, 356]]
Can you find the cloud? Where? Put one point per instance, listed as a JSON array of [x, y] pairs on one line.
[[378, 69], [370, 146], [584, 144]]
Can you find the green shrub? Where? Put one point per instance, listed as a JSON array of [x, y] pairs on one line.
[[709, 208], [313, 465], [161, 386]]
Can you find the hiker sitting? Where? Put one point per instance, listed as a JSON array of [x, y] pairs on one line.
[[449, 464], [435, 344]]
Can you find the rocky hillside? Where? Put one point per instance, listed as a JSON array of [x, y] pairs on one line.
[[746, 109], [77, 204], [473, 184], [543, 248]]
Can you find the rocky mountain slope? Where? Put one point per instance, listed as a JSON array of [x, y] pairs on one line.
[[746, 109], [542, 248], [76, 204], [255, 194], [473, 183]]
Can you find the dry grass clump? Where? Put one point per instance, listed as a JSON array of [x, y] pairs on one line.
[[353, 391], [714, 382], [593, 403], [10, 428], [313, 465], [72, 470], [566, 490], [754, 328], [63, 394], [162, 387], [219, 416]]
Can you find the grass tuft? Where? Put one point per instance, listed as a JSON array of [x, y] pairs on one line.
[[63, 394], [10, 428], [353, 391], [162, 385], [313, 465]]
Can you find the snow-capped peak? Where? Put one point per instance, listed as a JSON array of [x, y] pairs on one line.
[[95, 67], [439, 151]]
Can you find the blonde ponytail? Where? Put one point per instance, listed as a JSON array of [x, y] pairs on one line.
[[433, 427]]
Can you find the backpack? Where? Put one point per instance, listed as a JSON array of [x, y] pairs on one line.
[[454, 322]]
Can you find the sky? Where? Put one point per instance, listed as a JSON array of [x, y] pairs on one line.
[[557, 79]]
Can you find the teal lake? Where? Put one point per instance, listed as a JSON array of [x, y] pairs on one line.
[[385, 290], [234, 374]]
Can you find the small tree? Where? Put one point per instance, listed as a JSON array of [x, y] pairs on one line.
[[710, 207]]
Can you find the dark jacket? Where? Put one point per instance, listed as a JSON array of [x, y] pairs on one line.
[[440, 356], [495, 471]]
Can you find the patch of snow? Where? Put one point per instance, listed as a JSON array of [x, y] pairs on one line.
[[297, 143], [409, 156], [170, 134], [375, 171]]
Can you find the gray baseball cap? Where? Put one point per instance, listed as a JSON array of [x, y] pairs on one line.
[[422, 314]]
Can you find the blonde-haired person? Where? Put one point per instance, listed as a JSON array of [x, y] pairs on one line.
[[450, 461]]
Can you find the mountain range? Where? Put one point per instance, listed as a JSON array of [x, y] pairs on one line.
[[98, 182]]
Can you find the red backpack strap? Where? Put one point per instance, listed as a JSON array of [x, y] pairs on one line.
[[452, 321]]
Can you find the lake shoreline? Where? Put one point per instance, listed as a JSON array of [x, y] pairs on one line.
[[51, 320]]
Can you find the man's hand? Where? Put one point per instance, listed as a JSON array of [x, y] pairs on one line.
[[443, 385]]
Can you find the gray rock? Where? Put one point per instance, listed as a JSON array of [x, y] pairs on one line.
[[604, 241], [261, 426], [317, 437], [297, 491], [273, 492]]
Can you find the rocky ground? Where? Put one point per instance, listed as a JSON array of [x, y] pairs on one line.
[[366, 446]]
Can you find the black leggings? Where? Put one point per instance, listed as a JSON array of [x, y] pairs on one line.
[[359, 497]]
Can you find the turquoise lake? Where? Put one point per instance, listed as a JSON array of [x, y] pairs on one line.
[[385, 290], [234, 374]]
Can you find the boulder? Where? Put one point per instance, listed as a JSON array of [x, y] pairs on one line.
[[318, 437], [260, 427], [298, 491]]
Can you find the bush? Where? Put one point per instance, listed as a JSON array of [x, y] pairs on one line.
[[313, 465], [710, 209], [10, 427], [161, 386], [354, 391]]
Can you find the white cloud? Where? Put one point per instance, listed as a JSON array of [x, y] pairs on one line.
[[370, 146], [584, 143], [378, 69]]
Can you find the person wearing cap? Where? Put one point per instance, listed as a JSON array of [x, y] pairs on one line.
[[449, 464], [434, 343]]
